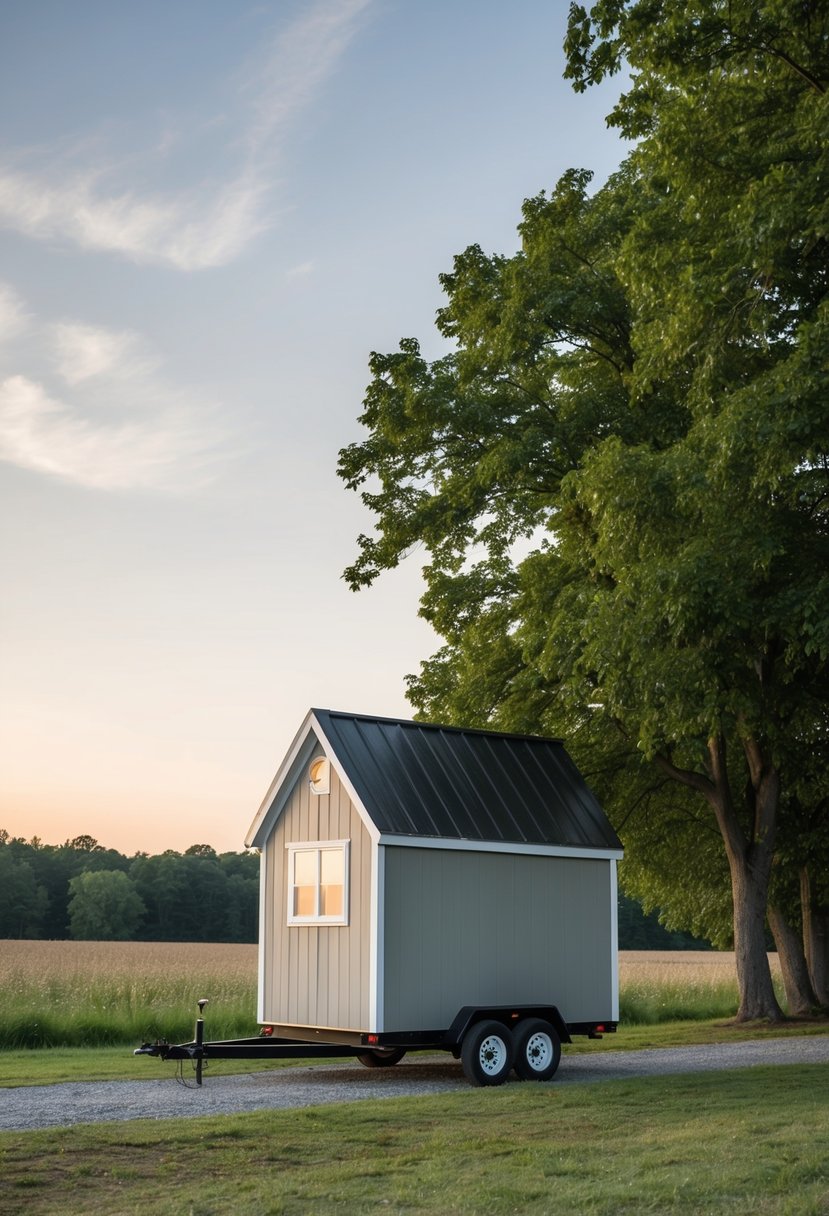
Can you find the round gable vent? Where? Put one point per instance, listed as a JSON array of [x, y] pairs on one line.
[[319, 776]]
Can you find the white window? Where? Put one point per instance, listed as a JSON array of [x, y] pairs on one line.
[[318, 883]]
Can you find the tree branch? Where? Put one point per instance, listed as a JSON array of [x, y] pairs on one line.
[[796, 67], [685, 776], [730, 826]]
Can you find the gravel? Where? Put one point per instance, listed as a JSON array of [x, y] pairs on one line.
[[29, 1107]]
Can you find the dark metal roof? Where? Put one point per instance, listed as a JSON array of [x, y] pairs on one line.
[[419, 780]]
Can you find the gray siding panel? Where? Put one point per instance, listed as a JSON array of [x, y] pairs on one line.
[[468, 928], [318, 975]]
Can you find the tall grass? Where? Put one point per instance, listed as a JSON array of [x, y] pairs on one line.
[[680, 985], [85, 994]]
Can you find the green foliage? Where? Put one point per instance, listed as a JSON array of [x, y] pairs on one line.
[[23, 900], [647, 931], [666, 42], [620, 474], [104, 906], [199, 896]]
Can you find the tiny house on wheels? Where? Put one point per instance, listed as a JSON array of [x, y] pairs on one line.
[[431, 887], [410, 872]]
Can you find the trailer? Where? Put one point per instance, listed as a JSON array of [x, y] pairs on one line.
[[490, 1042], [429, 888]]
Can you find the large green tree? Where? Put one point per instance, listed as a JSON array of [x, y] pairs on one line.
[[729, 100], [104, 906], [620, 473]]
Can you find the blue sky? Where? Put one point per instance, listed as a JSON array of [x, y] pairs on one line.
[[210, 214]]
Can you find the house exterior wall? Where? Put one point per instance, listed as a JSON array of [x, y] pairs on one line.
[[476, 928], [316, 975]]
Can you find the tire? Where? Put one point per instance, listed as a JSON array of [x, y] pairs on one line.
[[537, 1050], [487, 1053], [383, 1057]]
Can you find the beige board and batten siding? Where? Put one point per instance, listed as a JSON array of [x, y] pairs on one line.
[[480, 928], [317, 975]]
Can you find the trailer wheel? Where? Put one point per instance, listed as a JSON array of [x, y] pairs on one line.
[[487, 1053], [537, 1050], [382, 1057]]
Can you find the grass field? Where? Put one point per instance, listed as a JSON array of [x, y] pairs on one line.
[[73, 994], [752, 1143], [669, 985], [748, 1143], [94, 993]]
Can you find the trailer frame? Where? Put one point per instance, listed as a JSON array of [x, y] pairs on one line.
[[490, 1040]]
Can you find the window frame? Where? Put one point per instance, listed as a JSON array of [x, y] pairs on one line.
[[343, 847]]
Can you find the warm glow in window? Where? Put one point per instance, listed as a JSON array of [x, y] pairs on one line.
[[318, 883], [332, 881], [318, 776], [305, 883]]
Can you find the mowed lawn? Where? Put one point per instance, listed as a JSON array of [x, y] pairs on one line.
[[749, 1143]]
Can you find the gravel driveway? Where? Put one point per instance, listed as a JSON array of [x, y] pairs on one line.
[[30, 1107]]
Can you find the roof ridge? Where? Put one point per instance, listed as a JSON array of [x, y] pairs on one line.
[[441, 726]]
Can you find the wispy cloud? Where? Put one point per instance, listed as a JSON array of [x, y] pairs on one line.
[[190, 230], [14, 318], [83, 351], [37, 432], [110, 420], [298, 63], [301, 271], [96, 207]]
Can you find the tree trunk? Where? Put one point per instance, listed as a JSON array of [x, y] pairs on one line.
[[749, 860], [819, 957], [815, 939], [750, 857], [800, 996], [749, 884]]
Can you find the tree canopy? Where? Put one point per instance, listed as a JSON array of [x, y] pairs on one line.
[[620, 472], [104, 906], [83, 890]]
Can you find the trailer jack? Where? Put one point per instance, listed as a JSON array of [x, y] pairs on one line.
[[182, 1051]]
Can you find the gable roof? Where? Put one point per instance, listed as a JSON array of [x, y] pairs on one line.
[[442, 783]]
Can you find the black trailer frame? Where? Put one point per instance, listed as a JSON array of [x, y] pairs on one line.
[[489, 1040]]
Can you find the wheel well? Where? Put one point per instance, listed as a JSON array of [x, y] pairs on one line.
[[509, 1016]]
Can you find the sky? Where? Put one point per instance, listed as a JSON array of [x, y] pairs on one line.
[[210, 214]]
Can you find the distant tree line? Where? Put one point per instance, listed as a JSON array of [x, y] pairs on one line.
[[81, 890]]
